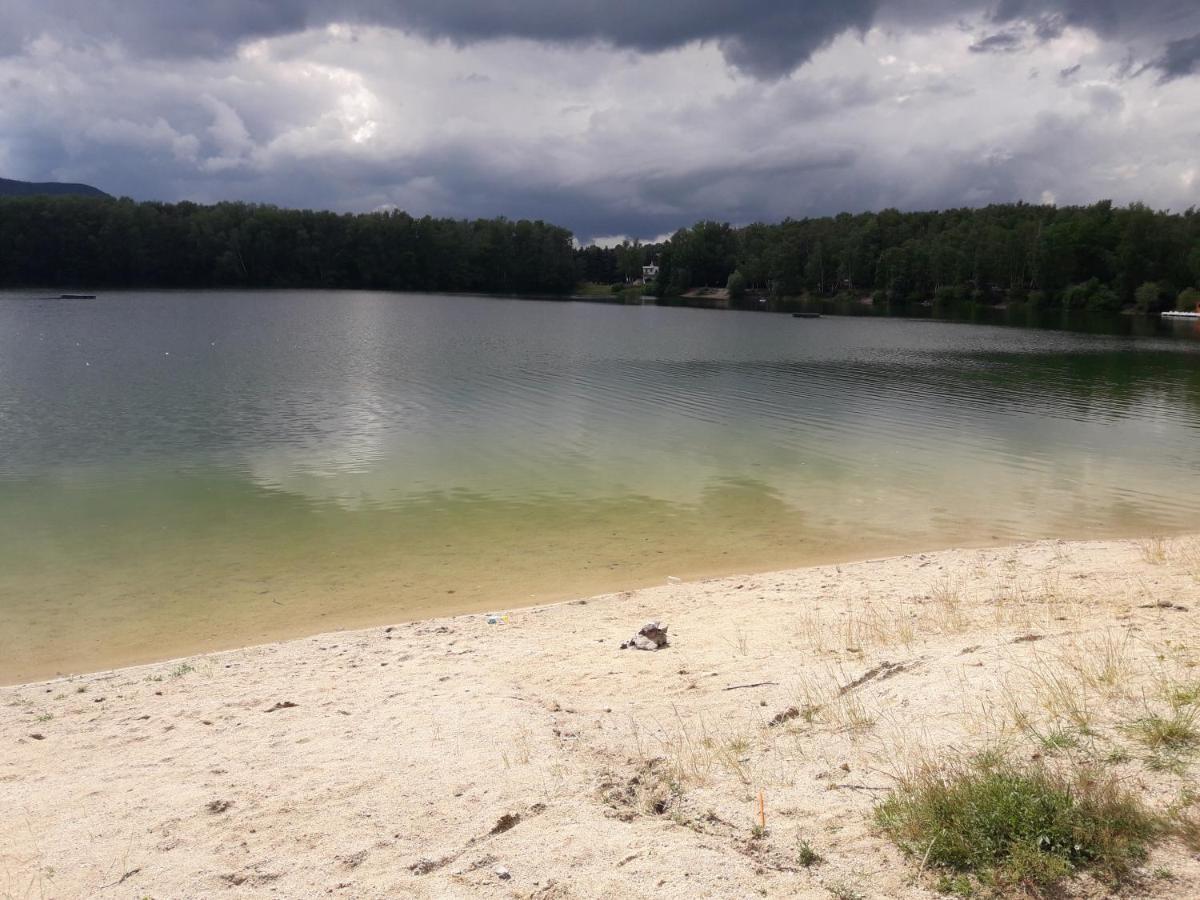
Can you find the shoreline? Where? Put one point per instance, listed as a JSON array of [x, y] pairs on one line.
[[377, 615], [452, 758], [475, 609]]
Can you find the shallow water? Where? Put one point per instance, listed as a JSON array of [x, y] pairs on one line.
[[186, 471]]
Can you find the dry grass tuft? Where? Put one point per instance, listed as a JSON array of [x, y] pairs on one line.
[[1154, 550], [1185, 552]]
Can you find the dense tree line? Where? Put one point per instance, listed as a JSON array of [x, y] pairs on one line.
[[51, 241], [1092, 257]]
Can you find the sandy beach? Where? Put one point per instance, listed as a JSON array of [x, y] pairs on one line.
[[535, 758]]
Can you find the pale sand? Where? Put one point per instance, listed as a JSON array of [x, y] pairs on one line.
[[408, 745]]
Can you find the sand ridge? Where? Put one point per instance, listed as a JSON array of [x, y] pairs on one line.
[[534, 758]]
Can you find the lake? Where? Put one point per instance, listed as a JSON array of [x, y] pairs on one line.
[[190, 471]]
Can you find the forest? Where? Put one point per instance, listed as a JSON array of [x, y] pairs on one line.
[[1099, 257], [97, 242]]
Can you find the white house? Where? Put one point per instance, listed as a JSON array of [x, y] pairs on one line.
[[650, 272]]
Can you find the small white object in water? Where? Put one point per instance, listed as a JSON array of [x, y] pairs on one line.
[[671, 579]]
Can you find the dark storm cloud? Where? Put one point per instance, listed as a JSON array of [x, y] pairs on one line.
[[1181, 57], [766, 37], [1156, 23], [156, 28], [763, 37]]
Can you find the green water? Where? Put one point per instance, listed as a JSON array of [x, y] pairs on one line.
[[185, 471]]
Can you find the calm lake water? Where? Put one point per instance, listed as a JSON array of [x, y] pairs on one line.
[[185, 471]]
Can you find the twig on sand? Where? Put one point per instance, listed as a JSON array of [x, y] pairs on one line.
[[121, 880], [735, 687]]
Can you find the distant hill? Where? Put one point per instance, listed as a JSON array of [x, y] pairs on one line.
[[10, 188]]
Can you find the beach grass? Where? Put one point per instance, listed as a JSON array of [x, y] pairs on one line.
[[1015, 828]]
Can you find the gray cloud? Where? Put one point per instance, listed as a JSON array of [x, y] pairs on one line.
[[1108, 17], [1181, 57], [767, 38], [1001, 42], [1155, 24], [1050, 27], [1104, 100]]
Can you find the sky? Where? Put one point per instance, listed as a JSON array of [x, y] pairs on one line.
[[614, 119]]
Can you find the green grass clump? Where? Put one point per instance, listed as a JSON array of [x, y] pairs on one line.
[[1058, 739], [1187, 829], [1175, 732], [1185, 820], [1015, 827], [1183, 695], [807, 855], [839, 890]]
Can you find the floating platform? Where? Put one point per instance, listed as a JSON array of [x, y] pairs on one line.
[[806, 315], [1172, 314]]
